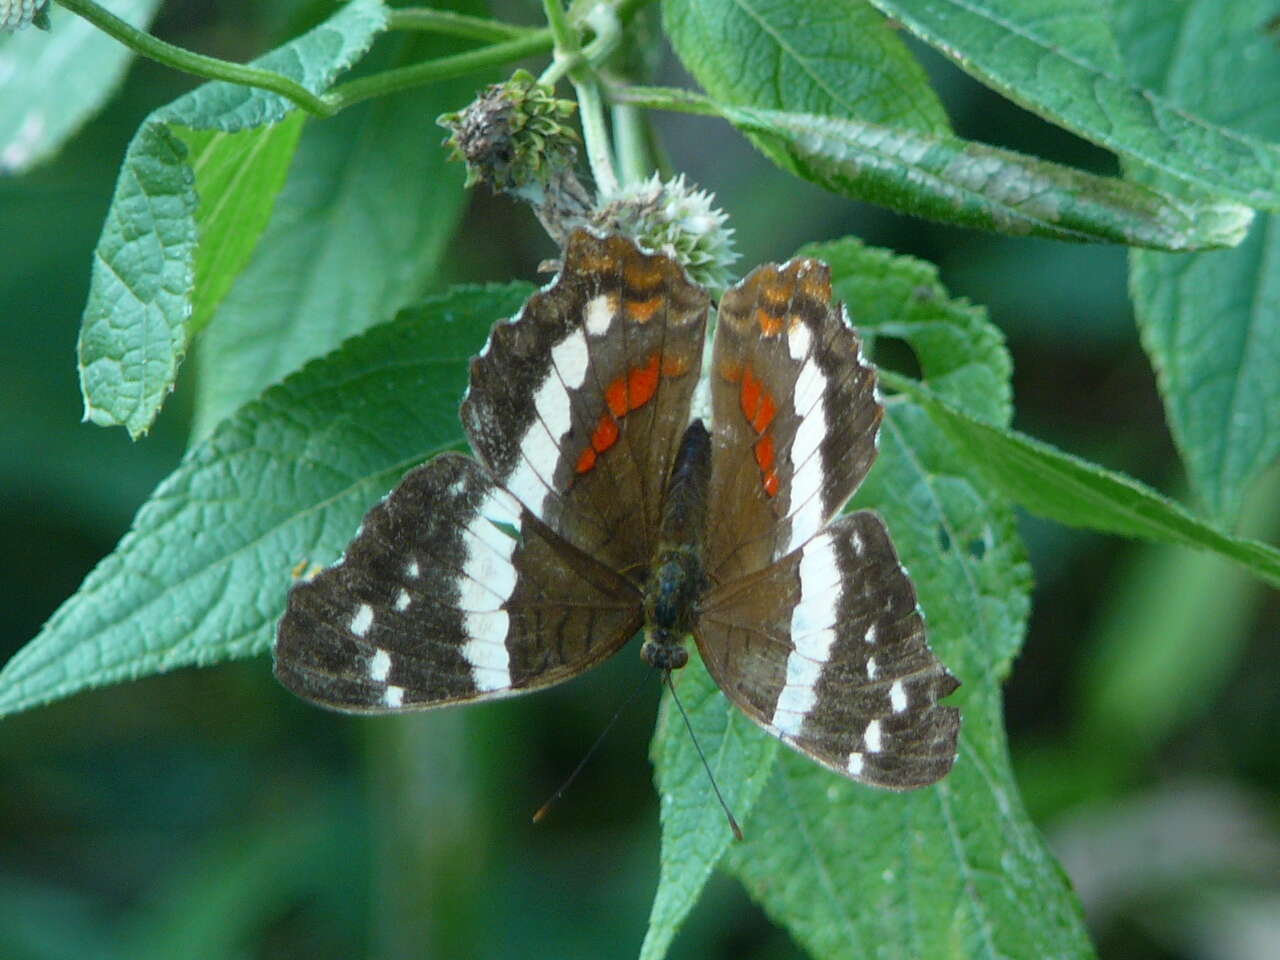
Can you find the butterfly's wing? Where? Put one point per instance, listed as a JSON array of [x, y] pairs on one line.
[[811, 624], [826, 650], [794, 414], [475, 580], [577, 406], [451, 591]]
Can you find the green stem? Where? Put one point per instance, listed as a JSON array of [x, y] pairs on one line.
[[664, 98], [566, 38], [210, 68], [595, 135], [455, 24], [419, 74], [632, 143]]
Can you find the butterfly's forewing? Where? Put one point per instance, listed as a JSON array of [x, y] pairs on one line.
[[826, 650], [795, 416], [811, 624], [451, 591], [577, 406]]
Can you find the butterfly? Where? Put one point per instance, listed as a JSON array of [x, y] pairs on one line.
[[621, 484]]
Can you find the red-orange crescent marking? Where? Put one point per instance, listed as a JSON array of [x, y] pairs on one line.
[[643, 383], [764, 453], [765, 414], [606, 434]]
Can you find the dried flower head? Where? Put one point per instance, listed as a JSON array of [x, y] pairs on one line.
[[677, 218]]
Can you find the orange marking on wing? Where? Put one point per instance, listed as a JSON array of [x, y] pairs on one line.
[[764, 453], [606, 434], [730, 371], [615, 396], [766, 412], [642, 384], [586, 461], [815, 281], [770, 325], [603, 264], [771, 483], [642, 311], [639, 275], [676, 366], [749, 395]]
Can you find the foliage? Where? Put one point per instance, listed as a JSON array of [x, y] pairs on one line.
[[294, 226]]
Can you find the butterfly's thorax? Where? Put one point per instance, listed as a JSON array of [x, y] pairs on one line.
[[676, 579]]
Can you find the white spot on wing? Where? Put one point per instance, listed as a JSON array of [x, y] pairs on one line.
[[379, 666], [488, 580], [571, 358], [871, 668], [402, 600], [362, 620], [898, 697], [599, 314], [806, 484], [393, 696], [854, 766], [531, 480], [871, 634], [812, 620], [872, 737], [412, 570], [799, 340]]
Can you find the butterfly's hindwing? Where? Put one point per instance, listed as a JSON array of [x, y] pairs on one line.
[[827, 651], [796, 416], [578, 404], [451, 591]]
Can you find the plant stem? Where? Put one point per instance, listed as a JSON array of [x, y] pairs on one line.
[[211, 68], [455, 24], [632, 143], [595, 136], [566, 38], [664, 98], [444, 68]]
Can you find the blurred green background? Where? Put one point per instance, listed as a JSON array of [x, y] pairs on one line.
[[208, 813]]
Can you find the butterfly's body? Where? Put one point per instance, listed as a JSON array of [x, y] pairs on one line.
[[598, 505], [677, 580]]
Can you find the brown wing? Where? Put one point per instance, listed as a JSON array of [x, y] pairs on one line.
[[451, 591], [795, 417], [826, 650], [577, 405]]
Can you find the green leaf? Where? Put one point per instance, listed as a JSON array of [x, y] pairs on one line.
[[839, 59], [974, 185], [945, 871], [202, 575], [46, 99], [136, 323], [1148, 671], [1209, 321], [360, 229], [1059, 59], [237, 178], [1069, 490], [695, 831]]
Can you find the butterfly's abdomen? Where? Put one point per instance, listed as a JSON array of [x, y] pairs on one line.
[[677, 580]]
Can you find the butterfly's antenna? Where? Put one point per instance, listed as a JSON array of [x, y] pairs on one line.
[[733, 824], [542, 810]]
